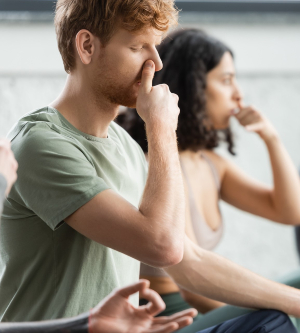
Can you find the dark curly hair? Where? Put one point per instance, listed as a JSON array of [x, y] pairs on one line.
[[188, 55]]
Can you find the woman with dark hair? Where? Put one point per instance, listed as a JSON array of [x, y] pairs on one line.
[[200, 70]]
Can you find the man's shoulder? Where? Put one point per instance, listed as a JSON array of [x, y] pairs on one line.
[[38, 121], [39, 131]]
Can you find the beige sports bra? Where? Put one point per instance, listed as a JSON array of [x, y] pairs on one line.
[[206, 237]]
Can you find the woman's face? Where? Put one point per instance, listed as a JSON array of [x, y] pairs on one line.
[[222, 92]]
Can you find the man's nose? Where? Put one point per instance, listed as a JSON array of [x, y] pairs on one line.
[[157, 61], [158, 64]]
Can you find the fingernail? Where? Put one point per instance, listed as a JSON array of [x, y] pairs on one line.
[[148, 64]]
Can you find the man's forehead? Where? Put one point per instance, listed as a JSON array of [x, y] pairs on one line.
[[148, 35]]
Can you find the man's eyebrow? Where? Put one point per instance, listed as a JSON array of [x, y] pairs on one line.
[[141, 41]]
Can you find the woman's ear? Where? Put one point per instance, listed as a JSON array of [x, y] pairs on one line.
[[85, 46]]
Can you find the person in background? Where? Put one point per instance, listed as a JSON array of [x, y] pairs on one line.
[[200, 70], [114, 314]]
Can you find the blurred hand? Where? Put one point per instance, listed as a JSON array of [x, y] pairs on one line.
[[115, 314], [254, 121], [156, 105], [8, 164]]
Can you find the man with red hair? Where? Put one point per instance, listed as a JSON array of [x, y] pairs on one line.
[[86, 209], [108, 314]]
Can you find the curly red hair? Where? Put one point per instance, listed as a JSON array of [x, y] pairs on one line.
[[100, 17]]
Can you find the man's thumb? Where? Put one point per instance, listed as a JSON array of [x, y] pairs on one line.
[[147, 76]]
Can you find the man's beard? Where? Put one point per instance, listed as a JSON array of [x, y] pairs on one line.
[[117, 93], [122, 96]]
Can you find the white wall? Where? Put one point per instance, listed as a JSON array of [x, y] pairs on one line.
[[267, 58], [262, 44], [29, 48]]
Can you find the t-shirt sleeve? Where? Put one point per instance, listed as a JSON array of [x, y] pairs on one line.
[[3, 185], [56, 175]]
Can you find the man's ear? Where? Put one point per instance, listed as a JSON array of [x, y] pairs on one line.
[[85, 46]]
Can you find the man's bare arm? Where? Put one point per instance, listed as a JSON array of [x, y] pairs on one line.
[[154, 233], [210, 275]]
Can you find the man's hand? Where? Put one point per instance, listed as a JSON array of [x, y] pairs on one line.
[[115, 313], [156, 105], [8, 164]]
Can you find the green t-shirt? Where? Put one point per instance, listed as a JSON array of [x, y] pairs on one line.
[[47, 269]]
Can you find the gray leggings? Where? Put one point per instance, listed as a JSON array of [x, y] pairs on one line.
[[264, 321]]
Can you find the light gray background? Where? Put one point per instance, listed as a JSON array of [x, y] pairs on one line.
[[267, 49]]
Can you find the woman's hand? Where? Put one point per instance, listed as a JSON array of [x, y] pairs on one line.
[[254, 121], [115, 313], [8, 164]]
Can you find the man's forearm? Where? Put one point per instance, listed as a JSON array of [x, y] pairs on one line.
[[215, 277], [163, 199], [77, 324]]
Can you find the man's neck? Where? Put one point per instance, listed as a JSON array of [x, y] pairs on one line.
[[87, 112]]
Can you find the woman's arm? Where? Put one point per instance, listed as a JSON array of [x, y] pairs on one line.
[[280, 203]]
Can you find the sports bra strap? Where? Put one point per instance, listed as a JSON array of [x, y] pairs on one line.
[[191, 192], [214, 171]]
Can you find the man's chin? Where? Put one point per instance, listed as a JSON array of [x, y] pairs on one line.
[[125, 97], [130, 101], [131, 105]]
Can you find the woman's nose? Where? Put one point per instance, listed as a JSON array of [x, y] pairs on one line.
[[238, 95]]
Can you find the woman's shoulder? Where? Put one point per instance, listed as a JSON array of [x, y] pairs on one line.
[[218, 161]]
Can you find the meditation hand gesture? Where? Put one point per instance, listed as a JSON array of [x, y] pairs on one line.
[[115, 313], [8, 164], [254, 121], [156, 105]]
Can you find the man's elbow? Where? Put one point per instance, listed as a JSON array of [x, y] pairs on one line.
[[294, 221], [168, 255], [175, 255], [291, 219]]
